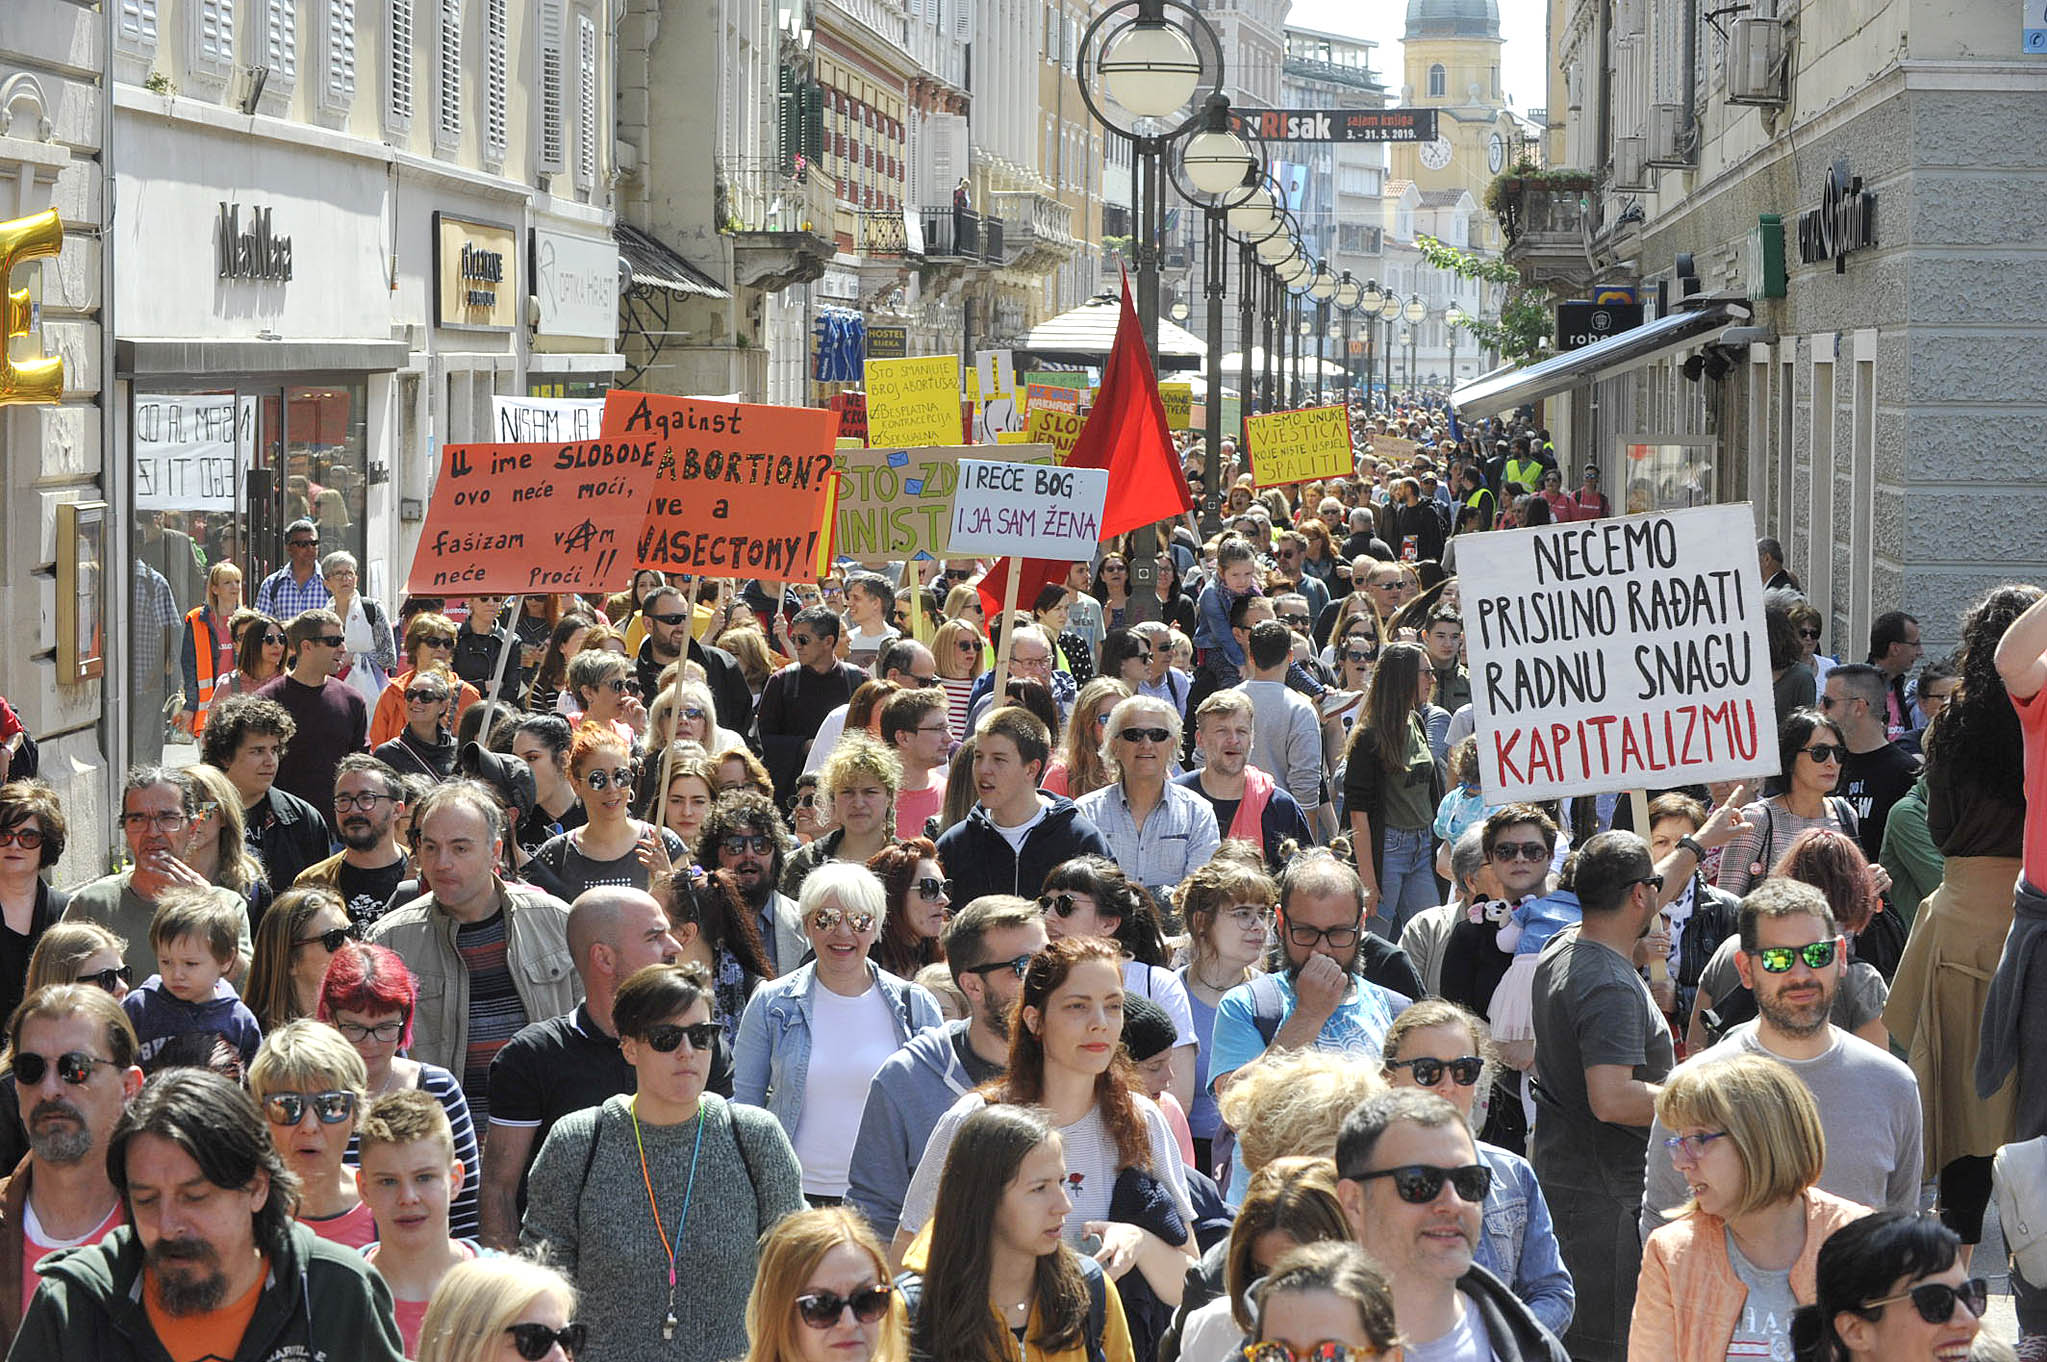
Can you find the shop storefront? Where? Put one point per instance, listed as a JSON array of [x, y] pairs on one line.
[[575, 294]]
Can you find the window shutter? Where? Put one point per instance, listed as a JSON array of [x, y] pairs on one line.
[[281, 45], [496, 41], [337, 57], [553, 104], [586, 109], [398, 38], [135, 28], [963, 21], [213, 38], [448, 74]]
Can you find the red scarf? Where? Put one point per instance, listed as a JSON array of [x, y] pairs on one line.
[[1249, 823]]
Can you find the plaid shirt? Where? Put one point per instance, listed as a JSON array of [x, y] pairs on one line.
[[281, 597], [1177, 838], [155, 611]]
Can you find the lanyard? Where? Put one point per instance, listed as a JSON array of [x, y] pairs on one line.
[[688, 1191]]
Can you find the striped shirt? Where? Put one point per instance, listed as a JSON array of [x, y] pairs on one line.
[[495, 1012]]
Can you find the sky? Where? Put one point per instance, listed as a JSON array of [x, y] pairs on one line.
[[1522, 24]]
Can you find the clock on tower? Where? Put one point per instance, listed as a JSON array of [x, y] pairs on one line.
[[1436, 155]]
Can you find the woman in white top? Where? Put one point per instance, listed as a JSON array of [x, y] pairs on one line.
[[371, 654], [1065, 1055]]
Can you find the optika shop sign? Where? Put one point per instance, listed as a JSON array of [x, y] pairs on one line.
[[256, 252], [1845, 220]]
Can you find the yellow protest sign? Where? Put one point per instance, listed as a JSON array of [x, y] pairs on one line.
[[1300, 446], [1059, 429], [913, 401], [1179, 401], [1012, 437]]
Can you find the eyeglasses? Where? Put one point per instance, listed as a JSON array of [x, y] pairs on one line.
[[437, 641], [73, 1066], [1359, 654], [760, 844], [605, 780], [1044, 660], [1295, 621], [1339, 938], [1272, 1350], [1464, 1070], [289, 1108], [1824, 752], [175, 821], [383, 1032], [934, 890], [333, 939], [671, 618], [367, 802], [828, 920], [1693, 1147], [967, 645], [535, 1341], [105, 979], [665, 1038], [822, 1309], [1808, 633], [1421, 1183], [1247, 915], [1018, 965], [1520, 851], [1935, 1301], [1157, 735], [422, 695], [1780, 959], [27, 838]]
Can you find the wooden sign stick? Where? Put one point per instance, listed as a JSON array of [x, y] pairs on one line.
[[1008, 634]]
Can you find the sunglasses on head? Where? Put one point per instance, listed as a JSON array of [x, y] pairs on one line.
[[105, 979], [1464, 1070], [535, 1341], [289, 1108], [759, 843], [933, 889], [73, 1066], [1824, 752], [1935, 1301], [1157, 735], [333, 939], [664, 1039], [828, 920], [822, 1309], [1421, 1183], [1780, 959], [605, 780]]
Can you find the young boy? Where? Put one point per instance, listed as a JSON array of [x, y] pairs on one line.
[[194, 934], [408, 1175], [1236, 575]]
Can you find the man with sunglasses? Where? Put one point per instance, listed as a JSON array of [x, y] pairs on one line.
[[1876, 773], [743, 836], [211, 1262], [332, 718], [669, 638], [369, 799], [988, 945], [797, 698], [1159, 832], [297, 586], [74, 1073], [1412, 1187], [1793, 960]]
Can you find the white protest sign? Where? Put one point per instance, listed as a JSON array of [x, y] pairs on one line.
[[546, 420], [1618, 654], [1027, 511], [187, 447]]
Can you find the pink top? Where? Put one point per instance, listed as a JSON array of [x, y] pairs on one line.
[[34, 1246], [354, 1228], [914, 806], [412, 1314]]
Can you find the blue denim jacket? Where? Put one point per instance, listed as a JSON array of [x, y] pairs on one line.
[[771, 1057], [1519, 1244]]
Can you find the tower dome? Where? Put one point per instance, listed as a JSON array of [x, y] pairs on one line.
[[1453, 19]]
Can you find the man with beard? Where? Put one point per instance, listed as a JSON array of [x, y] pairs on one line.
[[368, 801], [1792, 958], [797, 698], [77, 1046], [667, 613], [210, 1263], [743, 836], [245, 739], [1412, 1188], [988, 945], [1248, 803], [1321, 992]]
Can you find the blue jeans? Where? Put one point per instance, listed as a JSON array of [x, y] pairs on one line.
[[1407, 878]]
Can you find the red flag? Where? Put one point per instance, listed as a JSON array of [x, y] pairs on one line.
[[1126, 433]]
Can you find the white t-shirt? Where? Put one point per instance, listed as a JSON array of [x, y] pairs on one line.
[[1015, 836], [1211, 1334], [1163, 987], [1467, 1341], [850, 1038]]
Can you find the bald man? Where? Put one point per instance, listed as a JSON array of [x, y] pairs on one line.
[[566, 1063]]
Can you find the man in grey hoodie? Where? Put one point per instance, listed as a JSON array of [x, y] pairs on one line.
[[988, 945]]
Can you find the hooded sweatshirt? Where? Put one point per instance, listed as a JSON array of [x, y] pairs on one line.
[[978, 860], [158, 1015], [916, 1086]]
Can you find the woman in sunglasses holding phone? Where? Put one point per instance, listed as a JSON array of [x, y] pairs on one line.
[[498, 1309], [823, 1294], [612, 847], [1890, 1287], [810, 1042], [1812, 751], [1726, 1276], [311, 1086], [657, 1202]]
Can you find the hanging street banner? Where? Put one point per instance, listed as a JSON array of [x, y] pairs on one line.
[[1337, 125], [188, 447], [743, 490], [913, 401], [1618, 654], [894, 503], [1025, 511], [546, 420], [1300, 446]]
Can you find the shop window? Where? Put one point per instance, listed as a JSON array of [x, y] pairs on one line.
[[337, 56]]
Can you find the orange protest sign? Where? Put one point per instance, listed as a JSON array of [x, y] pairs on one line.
[[743, 490], [519, 518]]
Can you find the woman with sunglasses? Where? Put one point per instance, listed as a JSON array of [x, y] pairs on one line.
[[368, 995], [823, 1294], [32, 837], [995, 1277], [1890, 1287], [429, 642], [957, 650], [259, 654], [1228, 909], [810, 1042], [1077, 767], [1812, 751], [496, 1309], [657, 1202], [612, 847], [1725, 1277], [919, 902], [311, 1086], [294, 943], [1323, 1302], [1809, 624], [1112, 589], [425, 746], [1442, 1048]]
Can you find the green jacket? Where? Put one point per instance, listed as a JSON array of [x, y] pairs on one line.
[[320, 1303]]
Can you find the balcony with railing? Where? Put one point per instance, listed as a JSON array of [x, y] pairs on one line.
[[961, 236], [881, 235], [781, 222], [1039, 230], [1542, 216]]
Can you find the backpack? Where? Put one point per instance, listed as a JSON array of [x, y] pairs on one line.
[[2018, 1183]]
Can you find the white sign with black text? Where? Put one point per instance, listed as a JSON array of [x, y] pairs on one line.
[[545, 420], [188, 448], [1027, 511]]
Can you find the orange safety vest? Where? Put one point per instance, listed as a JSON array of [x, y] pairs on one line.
[[202, 649]]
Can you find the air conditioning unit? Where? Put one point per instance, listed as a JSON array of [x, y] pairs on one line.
[[1669, 143], [1630, 163], [1755, 61]]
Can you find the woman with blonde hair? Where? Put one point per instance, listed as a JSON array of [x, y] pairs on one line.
[[1077, 768], [219, 849], [823, 1290], [857, 785], [757, 661], [208, 650], [79, 951], [312, 1087], [963, 602], [501, 1307], [685, 712], [958, 650], [1294, 1103]]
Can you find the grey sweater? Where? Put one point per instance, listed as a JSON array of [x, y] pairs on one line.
[[599, 1230]]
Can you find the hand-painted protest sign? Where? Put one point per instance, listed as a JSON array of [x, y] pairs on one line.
[[546, 420], [1056, 378], [1392, 449], [913, 401], [1027, 511], [894, 503], [1059, 429], [1300, 446], [1179, 401], [188, 448], [743, 491], [852, 410], [994, 374], [1618, 654], [515, 518], [1050, 397]]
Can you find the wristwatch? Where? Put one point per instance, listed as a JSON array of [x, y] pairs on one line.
[[1691, 844]]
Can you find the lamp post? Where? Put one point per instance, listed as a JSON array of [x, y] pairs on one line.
[[1389, 310], [1453, 319], [1370, 302], [1348, 291], [1414, 312], [1322, 288]]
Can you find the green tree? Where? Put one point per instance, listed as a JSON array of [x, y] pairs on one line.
[[1521, 331]]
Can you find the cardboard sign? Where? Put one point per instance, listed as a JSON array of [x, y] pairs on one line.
[[743, 491], [1055, 378], [1027, 511], [994, 374], [1059, 429], [1618, 654], [1179, 402], [852, 410], [1300, 446], [517, 518], [546, 420], [1392, 449], [893, 503], [189, 448], [1047, 397], [913, 401]]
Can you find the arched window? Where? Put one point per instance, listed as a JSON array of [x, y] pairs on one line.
[[1439, 82]]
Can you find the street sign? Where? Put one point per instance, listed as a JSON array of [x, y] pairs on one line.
[[1583, 324], [1337, 125]]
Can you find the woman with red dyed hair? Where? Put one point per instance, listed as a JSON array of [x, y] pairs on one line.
[[368, 996]]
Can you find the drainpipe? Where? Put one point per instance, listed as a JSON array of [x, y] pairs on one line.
[[113, 681]]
